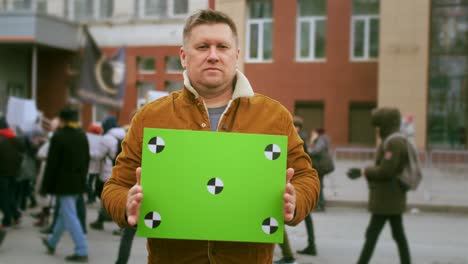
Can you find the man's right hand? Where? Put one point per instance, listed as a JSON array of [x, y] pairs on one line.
[[134, 198]]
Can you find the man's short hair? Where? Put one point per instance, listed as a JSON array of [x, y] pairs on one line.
[[208, 16], [69, 114]]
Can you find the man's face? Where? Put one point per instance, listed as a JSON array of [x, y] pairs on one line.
[[210, 56]]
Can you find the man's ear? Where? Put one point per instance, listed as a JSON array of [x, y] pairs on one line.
[[182, 57]]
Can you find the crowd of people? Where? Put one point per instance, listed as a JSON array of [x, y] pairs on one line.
[[67, 162], [60, 170]]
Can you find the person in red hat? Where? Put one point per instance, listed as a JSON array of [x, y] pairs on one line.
[[10, 163], [94, 135]]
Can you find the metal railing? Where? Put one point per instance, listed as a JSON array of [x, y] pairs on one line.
[[439, 167], [354, 153], [448, 159], [429, 158]]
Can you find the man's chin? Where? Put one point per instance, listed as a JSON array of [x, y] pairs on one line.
[[212, 83], [212, 86]]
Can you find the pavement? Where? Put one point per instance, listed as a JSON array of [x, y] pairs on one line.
[[434, 238]]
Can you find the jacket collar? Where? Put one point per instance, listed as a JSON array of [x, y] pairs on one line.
[[242, 89]]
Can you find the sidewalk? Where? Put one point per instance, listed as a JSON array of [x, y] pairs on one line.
[[442, 189], [433, 237]]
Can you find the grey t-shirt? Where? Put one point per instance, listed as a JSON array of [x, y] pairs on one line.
[[215, 115]]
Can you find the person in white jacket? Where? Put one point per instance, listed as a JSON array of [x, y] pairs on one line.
[[107, 152], [94, 135]]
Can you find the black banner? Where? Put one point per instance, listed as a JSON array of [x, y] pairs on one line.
[[102, 79]]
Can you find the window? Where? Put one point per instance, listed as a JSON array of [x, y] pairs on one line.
[[162, 8], [173, 64], [365, 29], [146, 65], [37, 5], [16, 89], [142, 91], [447, 120], [106, 8], [80, 10], [83, 10], [311, 30], [21, 4], [178, 8], [99, 113], [172, 86], [41, 6], [259, 31]]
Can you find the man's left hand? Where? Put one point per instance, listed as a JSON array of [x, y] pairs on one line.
[[289, 197]]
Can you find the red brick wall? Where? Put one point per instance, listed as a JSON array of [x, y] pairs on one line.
[[336, 82]]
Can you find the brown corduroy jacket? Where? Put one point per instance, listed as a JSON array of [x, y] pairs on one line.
[[246, 113]]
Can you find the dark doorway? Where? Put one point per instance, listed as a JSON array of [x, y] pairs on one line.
[[361, 131], [312, 113]]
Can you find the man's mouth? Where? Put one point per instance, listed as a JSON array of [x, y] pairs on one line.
[[212, 69]]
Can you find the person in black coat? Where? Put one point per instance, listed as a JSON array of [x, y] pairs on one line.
[[10, 163], [65, 176]]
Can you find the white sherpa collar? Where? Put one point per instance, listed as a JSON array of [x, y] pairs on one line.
[[242, 89]]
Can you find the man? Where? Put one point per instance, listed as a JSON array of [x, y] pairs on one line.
[[387, 198], [288, 257], [65, 176], [216, 97]]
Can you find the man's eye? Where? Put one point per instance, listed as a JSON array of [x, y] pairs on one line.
[[202, 47]]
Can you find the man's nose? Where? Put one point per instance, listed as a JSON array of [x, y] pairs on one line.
[[213, 54]]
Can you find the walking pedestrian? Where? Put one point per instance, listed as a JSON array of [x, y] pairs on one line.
[[127, 234], [125, 247], [10, 162], [319, 152], [106, 152], [50, 201], [94, 140], [65, 176], [387, 197], [288, 257]]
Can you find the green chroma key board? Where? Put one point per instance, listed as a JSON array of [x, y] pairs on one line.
[[206, 185]]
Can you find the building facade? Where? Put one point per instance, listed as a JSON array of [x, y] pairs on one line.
[[333, 61], [329, 61], [305, 55], [40, 41]]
